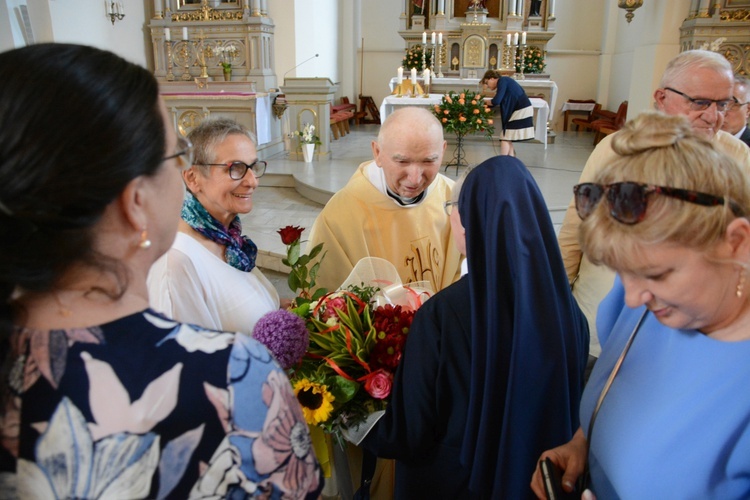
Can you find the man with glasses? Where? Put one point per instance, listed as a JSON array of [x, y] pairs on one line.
[[696, 84], [392, 207], [735, 121]]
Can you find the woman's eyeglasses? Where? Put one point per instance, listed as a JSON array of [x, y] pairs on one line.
[[184, 154], [448, 206], [238, 169], [628, 200], [703, 104]]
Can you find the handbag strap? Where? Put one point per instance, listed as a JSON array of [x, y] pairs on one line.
[[606, 388]]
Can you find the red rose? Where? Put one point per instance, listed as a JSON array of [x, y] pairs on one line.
[[290, 234], [378, 384]]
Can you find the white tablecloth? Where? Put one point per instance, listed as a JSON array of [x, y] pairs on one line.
[[528, 85], [578, 106], [541, 110]]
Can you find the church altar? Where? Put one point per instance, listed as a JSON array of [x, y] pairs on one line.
[[532, 87], [541, 111]]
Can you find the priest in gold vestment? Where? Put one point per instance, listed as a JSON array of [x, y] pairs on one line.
[[392, 208]]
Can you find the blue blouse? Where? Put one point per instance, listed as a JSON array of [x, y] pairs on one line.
[[676, 421], [145, 407]]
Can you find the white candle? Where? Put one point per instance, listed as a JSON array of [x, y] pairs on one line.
[[167, 34], [426, 76], [433, 38], [414, 75], [184, 33], [508, 40], [120, 9], [400, 74], [515, 38], [523, 38], [424, 37], [440, 39]]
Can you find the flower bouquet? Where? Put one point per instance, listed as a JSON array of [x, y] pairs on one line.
[[465, 113], [307, 134], [355, 341], [413, 58], [533, 60]]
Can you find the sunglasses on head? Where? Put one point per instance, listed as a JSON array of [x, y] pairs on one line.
[[628, 200]]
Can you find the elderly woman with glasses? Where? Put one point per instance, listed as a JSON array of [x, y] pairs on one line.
[[101, 396], [665, 413], [209, 276]]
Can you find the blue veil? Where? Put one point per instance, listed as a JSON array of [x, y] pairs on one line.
[[529, 338]]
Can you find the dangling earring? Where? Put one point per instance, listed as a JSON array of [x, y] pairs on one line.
[[740, 283], [145, 242]]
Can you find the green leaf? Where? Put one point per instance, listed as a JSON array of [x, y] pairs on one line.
[[293, 281], [318, 293], [342, 389], [303, 260], [316, 250], [293, 253]]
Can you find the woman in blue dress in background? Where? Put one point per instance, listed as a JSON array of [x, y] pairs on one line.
[[513, 106]]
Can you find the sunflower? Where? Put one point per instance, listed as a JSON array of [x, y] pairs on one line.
[[315, 400]]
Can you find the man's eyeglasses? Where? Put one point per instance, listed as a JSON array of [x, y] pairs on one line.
[[184, 154], [703, 104], [238, 169], [738, 104], [448, 206], [628, 200]]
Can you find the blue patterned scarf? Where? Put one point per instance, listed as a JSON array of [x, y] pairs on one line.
[[240, 250]]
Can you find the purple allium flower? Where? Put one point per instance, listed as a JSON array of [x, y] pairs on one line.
[[285, 335]]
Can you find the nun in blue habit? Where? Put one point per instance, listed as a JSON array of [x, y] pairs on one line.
[[493, 368]]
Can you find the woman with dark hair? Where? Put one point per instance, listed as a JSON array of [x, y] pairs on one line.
[[514, 107], [493, 365], [102, 397]]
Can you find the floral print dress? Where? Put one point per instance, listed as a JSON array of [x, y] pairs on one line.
[[145, 407]]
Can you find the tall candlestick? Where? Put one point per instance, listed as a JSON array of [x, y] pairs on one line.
[[167, 35], [433, 38], [440, 39], [523, 38], [424, 37], [414, 75], [515, 38], [400, 74], [184, 33]]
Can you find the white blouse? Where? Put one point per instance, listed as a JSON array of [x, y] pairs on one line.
[[192, 285]]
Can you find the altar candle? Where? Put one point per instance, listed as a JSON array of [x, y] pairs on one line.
[[400, 74], [508, 40], [515, 38], [426, 76], [167, 34], [424, 37], [184, 33], [433, 38], [523, 38], [414, 75], [440, 39]]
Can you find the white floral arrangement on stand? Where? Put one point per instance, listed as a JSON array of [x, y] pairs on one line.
[[307, 135]]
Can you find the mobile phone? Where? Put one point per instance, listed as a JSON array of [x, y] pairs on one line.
[[552, 477]]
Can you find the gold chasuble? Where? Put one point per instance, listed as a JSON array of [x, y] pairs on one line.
[[360, 221]]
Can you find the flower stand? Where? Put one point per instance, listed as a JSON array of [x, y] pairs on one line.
[[307, 151]]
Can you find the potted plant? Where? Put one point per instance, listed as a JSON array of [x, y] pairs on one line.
[[308, 140], [226, 58]]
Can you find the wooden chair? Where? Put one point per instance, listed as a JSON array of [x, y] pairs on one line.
[[607, 125], [585, 123], [567, 112]]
